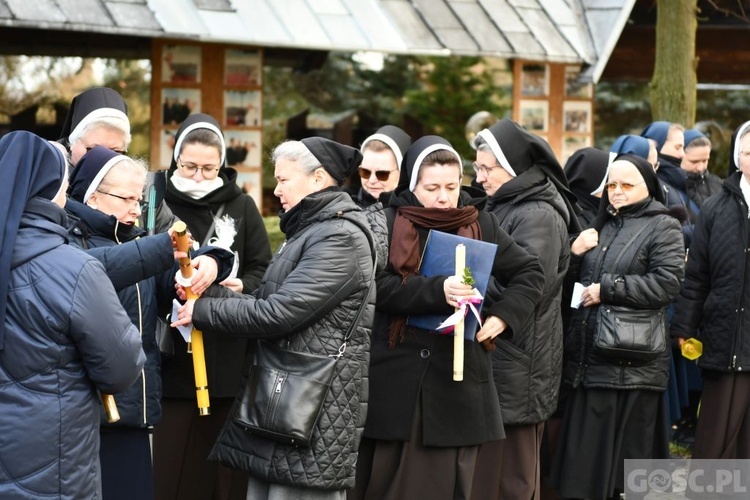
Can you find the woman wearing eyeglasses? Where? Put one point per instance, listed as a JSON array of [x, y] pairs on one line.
[[106, 197], [203, 192], [613, 410], [382, 153], [529, 194]]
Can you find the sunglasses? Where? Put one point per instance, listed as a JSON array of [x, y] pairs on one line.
[[625, 186], [381, 175]]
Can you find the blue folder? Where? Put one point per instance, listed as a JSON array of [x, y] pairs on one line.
[[439, 259]]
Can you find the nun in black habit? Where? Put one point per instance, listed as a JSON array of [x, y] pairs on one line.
[[614, 409], [423, 430]]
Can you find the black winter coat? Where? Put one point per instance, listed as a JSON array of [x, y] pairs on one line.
[[419, 369], [225, 356], [700, 187], [527, 366], [649, 276], [309, 296], [715, 300]]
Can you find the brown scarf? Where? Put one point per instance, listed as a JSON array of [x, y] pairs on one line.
[[404, 251]]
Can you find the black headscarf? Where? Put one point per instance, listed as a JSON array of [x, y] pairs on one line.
[[415, 155], [91, 170], [396, 139], [585, 170], [32, 168], [649, 177], [90, 105], [518, 150], [338, 160], [193, 122]]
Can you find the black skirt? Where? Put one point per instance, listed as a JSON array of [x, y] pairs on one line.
[[602, 428]]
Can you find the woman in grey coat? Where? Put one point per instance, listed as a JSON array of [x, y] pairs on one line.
[[307, 299]]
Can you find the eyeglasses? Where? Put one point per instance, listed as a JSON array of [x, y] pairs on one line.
[[483, 169], [118, 151], [191, 169], [142, 205], [381, 175], [625, 186]]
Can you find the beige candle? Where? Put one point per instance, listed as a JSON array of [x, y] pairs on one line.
[[458, 332]]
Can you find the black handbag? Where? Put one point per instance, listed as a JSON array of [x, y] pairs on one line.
[[285, 390], [627, 334], [630, 334]]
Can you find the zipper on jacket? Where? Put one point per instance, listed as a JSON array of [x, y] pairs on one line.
[[143, 370], [740, 310]]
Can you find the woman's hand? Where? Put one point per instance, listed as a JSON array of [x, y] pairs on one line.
[[454, 290], [234, 284], [587, 240], [184, 314], [492, 327], [205, 273], [591, 295]]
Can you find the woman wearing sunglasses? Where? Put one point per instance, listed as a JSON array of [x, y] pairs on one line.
[[614, 411], [382, 153]]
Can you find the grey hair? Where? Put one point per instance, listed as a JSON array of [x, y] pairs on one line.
[[135, 166], [480, 144], [107, 122], [298, 152], [698, 142]]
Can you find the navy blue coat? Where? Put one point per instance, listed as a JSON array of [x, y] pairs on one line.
[[56, 354]]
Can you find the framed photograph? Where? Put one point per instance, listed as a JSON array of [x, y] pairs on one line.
[[571, 144], [573, 87], [242, 67], [535, 80], [243, 148], [181, 64], [577, 116], [178, 104], [534, 115], [251, 183], [166, 147], [242, 108]]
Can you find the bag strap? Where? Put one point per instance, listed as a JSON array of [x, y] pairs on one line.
[[212, 227], [361, 310]]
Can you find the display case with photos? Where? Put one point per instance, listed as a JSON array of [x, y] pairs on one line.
[[534, 115], [577, 117], [242, 108], [243, 148], [534, 80], [242, 67], [250, 180], [573, 86], [179, 103], [181, 64]]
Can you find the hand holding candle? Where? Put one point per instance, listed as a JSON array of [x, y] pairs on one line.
[[196, 337]]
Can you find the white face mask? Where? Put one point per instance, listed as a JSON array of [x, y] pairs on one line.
[[195, 190]]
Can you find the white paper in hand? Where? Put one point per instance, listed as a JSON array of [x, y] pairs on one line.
[[186, 330], [576, 299]]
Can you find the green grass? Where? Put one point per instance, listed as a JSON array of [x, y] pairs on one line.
[[275, 236]]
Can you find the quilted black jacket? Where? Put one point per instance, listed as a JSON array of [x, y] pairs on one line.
[[309, 296], [648, 276], [715, 301]]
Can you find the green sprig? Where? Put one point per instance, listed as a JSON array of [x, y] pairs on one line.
[[467, 278]]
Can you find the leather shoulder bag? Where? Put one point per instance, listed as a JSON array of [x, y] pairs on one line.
[[285, 390]]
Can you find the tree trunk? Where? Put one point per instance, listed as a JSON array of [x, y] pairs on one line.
[[673, 86]]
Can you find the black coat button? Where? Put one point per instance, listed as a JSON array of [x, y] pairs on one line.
[[424, 353]]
